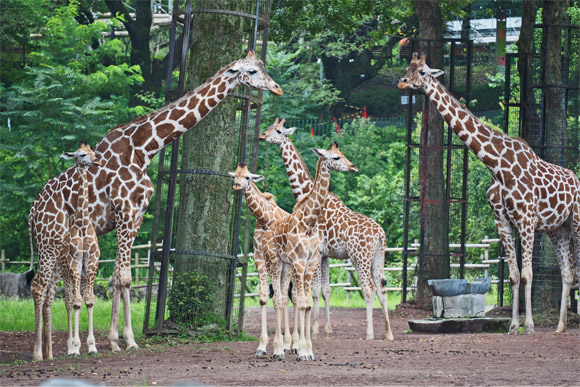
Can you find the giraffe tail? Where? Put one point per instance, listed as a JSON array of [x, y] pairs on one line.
[[378, 265], [31, 238]]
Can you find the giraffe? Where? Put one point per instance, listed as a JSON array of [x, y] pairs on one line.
[[79, 259], [294, 243], [266, 212], [526, 192], [343, 234], [120, 191]]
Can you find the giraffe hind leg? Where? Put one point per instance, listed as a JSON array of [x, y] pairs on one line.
[[561, 240]]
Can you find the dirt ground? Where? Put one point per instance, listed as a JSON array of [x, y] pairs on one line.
[[542, 358]]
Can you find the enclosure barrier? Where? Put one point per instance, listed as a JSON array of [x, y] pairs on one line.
[[349, 286]]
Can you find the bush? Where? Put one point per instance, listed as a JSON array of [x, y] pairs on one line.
[[190, 301]]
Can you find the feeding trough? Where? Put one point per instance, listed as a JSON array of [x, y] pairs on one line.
[[454, 298], [459, 306]]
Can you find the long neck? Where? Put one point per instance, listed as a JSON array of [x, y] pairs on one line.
[[301, 180], [141, 139], [487, 144], [313, 203], [263, 209], [82, 210]]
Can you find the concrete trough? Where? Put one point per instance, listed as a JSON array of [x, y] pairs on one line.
[[461, 325]]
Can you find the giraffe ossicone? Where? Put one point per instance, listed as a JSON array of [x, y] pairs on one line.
[[526, 192], [120, 191]]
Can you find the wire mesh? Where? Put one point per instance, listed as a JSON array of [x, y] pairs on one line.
[[209, 284]]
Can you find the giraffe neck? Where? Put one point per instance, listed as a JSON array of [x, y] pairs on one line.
[[140, 140], [484, 142], [261, 207], [312, 205], [301, 180], [82, 210]]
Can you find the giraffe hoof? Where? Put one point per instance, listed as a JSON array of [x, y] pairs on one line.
[[261, 353], [133, 348], [305, 358], [279, 356]]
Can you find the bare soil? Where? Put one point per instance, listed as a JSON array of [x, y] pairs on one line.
[[542, 358]]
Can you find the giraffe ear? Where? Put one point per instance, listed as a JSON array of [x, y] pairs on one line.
[[256, 178], [289, 131], [433, 72], [319, 152], [232, 175], [68, 155]]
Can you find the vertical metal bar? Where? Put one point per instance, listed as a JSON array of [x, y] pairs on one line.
[[465, 173], [407, 201], [506, 93], [162, 297], [159, 183]]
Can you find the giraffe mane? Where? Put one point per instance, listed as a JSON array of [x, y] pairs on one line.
[[267, 196]]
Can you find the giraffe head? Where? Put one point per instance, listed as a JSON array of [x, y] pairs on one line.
[[84, 156], [250, 71], [334, 159], [276, 133], [417, 73], [242, 177]]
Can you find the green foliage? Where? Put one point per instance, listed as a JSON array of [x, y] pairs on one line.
[[68, 95], [190, 301], [305, 94]]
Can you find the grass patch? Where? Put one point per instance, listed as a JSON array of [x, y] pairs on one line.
[[338, 299], [18, 315]]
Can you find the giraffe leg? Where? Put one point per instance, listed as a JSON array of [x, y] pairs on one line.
[[128, 329], [286, 301], [527, 242], [295, 334], [324, 265], [504, 230], [576, 242], [561, 240], [378, 270], [38, 290], [89, 296], [316, 292], [113, 335], [313, 265], [263, 291], [278, 351], [368, 290]]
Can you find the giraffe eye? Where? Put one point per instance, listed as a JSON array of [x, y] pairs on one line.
[[422, 72], [278, 131], [252, 72], [336, 158], [247, 178]]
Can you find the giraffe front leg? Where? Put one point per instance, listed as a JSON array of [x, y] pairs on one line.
[[39, 299], [276, 272], [288, 339]]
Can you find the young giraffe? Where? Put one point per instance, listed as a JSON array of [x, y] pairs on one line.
[[343, 234], [120, 192], [526, 192], [79, 259], [266, 212], [294, 244]]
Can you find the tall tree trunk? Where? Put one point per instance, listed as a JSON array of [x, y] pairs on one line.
[[204, 215], [546, 285], [434, 206]]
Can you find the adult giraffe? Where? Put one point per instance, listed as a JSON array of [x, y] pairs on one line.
[[526, 192], [120, 190]]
